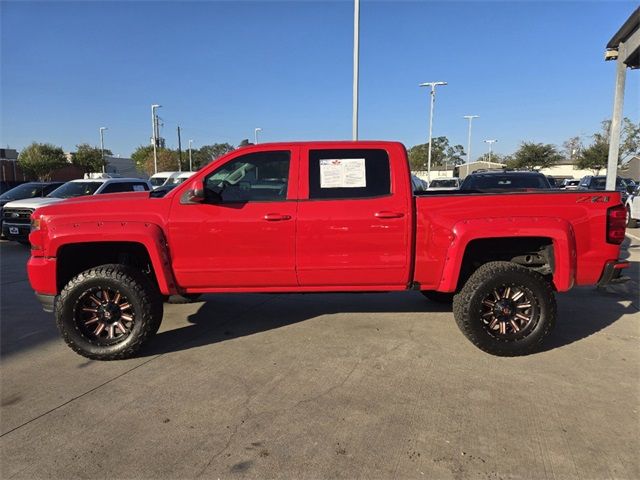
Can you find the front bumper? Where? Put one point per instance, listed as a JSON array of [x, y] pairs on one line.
[[612, 273], [16, 231]]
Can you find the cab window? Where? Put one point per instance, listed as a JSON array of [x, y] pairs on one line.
[[255, 177]]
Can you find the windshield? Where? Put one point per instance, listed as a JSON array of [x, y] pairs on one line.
[[75, 189], [504, 182], [26, 190], [444, 184], [158, 181]]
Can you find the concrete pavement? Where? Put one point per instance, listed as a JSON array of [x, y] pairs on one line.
[[322, 386]]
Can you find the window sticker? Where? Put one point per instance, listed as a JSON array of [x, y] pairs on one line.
[[343, 173]]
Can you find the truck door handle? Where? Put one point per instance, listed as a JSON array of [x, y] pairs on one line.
[[386, 214], [276, 217]]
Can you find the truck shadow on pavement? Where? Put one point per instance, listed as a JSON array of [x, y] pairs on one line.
[[581, 313]]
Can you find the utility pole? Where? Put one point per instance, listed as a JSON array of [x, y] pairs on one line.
[[490, 142], [190, 163], [356, 66], [470, 118], [433, 86], [179, 151], [154, 127], [102, 129]]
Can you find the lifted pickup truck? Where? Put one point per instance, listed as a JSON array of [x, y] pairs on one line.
[[319, 217]]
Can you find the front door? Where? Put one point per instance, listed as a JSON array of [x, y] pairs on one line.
[[243, 235]]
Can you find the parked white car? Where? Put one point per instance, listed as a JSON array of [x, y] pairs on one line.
[[162, 178], [16, 215], [633, 208], [181, 177]]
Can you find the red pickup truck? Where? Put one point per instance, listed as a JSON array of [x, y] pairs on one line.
[[319, 217]]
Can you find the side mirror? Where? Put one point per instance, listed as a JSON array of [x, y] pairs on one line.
[[194, 194]]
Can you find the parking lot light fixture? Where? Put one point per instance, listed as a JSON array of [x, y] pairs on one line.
[[490, 142], [190, 162], [154, 127], [433, 86], [102, 129], [255, 134], [470, 118]]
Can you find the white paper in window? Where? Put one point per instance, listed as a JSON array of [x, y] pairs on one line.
[[343, 173]]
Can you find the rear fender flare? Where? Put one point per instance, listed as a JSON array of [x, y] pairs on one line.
[[558, 230]]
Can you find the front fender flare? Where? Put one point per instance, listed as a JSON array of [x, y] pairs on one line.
[[149, 235]]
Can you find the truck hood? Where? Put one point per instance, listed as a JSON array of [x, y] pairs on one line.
[[120, 207], [32, 202]]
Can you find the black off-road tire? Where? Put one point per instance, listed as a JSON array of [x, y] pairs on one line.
[[446, 298], [631, 222], [468, 307], [142, 294]]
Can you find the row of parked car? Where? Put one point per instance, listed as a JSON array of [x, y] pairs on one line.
[[509, 180], [18, 203]]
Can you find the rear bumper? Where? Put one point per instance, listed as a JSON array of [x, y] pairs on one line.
[[48, 302], [612, 273]]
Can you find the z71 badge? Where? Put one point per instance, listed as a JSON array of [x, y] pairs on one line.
[[593, 199]]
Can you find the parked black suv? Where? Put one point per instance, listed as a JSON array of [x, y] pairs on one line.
[[26, 190], [506, 180], [599, 182]]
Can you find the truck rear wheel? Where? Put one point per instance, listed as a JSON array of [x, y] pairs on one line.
[[108, 312], [505, 309]]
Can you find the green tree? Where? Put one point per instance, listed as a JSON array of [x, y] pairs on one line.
[[207, 153], [167, 161], [535, 156], [629, 138], [571, 148], [40, 160], [495, 158], [441, 152], [88, 158], [594, 157], [141, 154]]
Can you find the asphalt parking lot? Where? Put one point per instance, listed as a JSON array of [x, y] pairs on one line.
[[323, 386]]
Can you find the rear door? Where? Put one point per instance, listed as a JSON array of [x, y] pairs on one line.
[[354, 217]]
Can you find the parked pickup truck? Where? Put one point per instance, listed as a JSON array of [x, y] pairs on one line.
[[319, 217]]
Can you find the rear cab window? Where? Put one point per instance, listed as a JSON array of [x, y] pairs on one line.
[[348, 174]]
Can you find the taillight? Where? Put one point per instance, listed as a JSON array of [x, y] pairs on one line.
[[616, 224]]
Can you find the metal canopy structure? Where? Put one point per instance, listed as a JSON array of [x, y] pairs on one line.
[[624, 48]]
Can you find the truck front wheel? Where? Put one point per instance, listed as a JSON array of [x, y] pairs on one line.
[[505, 309], [108, 312]]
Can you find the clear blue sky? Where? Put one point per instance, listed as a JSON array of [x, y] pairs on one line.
[[532, 70]]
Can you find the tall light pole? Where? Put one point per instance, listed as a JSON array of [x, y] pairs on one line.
[[433, 86], [154, 126], [190, 163], [356, 66], [490, 142], [102, 129], [470, 118], [255, 134]]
